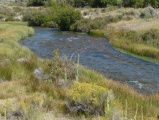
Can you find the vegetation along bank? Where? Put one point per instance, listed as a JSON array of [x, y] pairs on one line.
[[56, 88], [59, 88], [134, 30]]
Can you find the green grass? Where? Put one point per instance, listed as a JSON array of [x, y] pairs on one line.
[[97, 32], [10, 50], [138, 56], [132, 42]]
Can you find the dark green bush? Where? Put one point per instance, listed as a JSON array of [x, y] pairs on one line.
[[98, 23], [36, 3], [61, 15], [66, 16], [92, 3], [38, 18], [51, 24]]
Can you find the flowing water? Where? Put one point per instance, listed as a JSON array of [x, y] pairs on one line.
[[98, 54]]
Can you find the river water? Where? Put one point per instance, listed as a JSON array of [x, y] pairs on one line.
[[98, 54]]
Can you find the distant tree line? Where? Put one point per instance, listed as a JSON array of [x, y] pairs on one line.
[[120, 3], [100, 3]]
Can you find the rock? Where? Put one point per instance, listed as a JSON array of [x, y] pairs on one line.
[[46, 77], [22, 60], [61, 82], [18, 17], [39, 74]]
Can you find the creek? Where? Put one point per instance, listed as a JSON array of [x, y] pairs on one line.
[[96, 53]]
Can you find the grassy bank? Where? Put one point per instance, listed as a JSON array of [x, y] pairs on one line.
[[22, 93], [132, 30], [132, 41]]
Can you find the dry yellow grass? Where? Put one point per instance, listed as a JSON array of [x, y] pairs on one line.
[[136, 24], [104, 12], [7, 89]]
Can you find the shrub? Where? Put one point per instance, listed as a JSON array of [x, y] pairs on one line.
[[10, 18], [85, 25], [92, 3], [38, 18], [56, 67], [87, 99], [60, 69], [85, 13], [36, 3], [98, 23], [149, 12], [52, 24], [82, 26], [111, 19], [66, 16], [103, 10], [17, 9], [150, 35]]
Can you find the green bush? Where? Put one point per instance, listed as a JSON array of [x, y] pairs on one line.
[[56, 67], [66, 16], [59, 15], [98, 23], [38, 17], [92, 3], [83, 25], [60, 69], [52, 24], [10, 18], [36, 3]]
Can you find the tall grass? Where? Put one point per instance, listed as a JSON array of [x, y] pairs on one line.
[[133, 42], [10, 50]]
